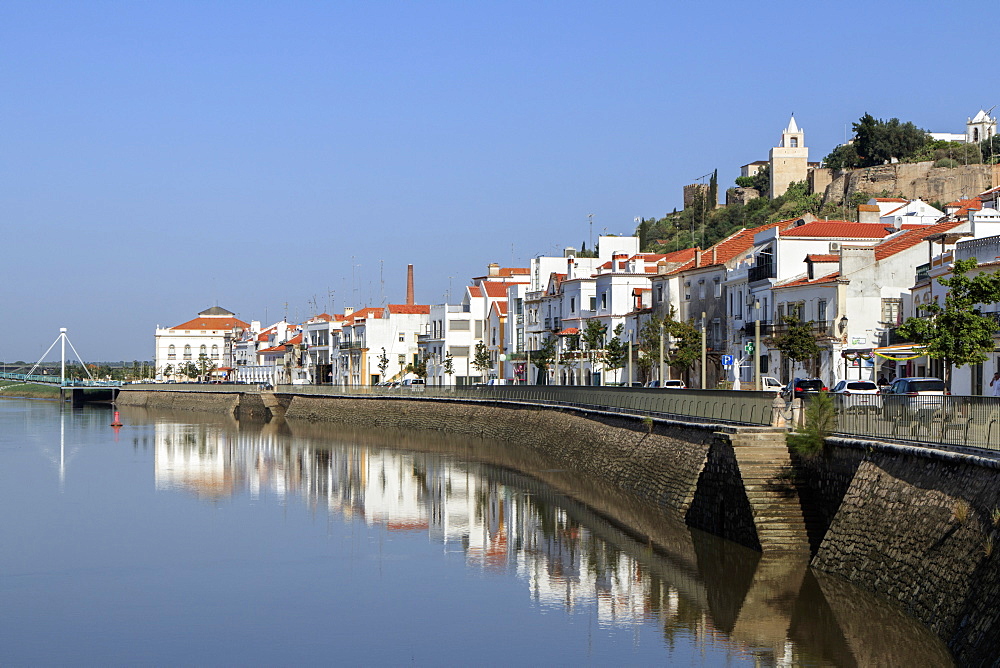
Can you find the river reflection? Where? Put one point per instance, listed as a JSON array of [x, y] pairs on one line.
[[556, 570], [571, 555]]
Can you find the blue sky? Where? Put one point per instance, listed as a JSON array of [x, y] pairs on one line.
[[160, 158]]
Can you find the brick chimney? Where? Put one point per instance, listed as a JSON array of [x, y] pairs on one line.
[[409, 285], [494, 269]]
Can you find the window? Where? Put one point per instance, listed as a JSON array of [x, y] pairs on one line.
[[203, 351], [572, 304], [215, 352], [781, 313], [604, 300], [891, 310], [659, 293], [718, 289], [794, 142], [593, 303], [402, 338], [187, 352], [171, 352], [821, 310]]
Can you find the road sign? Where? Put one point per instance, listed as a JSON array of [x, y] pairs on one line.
[[727, 360], [749, 347]]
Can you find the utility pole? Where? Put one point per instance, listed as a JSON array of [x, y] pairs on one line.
[[704, 352], [756, 348], [663, 361]]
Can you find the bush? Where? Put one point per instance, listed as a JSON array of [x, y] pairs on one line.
[[819, 423], [946, 162]]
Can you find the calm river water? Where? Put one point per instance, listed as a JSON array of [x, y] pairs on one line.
[[192, 539]]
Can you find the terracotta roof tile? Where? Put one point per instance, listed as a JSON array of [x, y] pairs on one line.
[[891, 199], [911, 238], [829, 278], [212, 323], [822, 258], [496, 289], [838, 229], [474, 291], [868, 207], [412, 309], [568, 331]]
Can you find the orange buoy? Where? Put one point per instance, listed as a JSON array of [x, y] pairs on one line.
[[117, 422]]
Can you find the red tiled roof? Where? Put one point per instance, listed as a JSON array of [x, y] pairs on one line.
[[891, 199], [822, 258], [974, 202], [367, 312], [911, 238], [413, 309], [568, 331], [210, 323], [829, 278], [294, 340], [500, 308], [474, 291], [838, 229], [496, 289], [868, 207]]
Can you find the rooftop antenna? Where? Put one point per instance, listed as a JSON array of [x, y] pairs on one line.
[[381, 281]]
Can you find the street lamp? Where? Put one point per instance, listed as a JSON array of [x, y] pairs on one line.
[[756, 345], [843, 324]]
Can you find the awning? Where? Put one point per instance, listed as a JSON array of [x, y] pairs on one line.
[[901, 352]]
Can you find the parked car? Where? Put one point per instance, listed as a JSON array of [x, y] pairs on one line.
[[800, 387], [770, 384], [913, 397], [857, 396], [668, 384], [415, 384]]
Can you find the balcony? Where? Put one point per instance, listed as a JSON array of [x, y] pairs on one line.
[[760, 273]]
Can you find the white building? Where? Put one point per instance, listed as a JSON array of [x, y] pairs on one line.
[[209, 336]]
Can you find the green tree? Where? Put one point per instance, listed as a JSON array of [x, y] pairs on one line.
[[481, 359], [418, 368], [543, 357], [616, 350], [878, 141], [797, 343], [449, 364], [685, 343], [205, 366], [844, 156], [383, 364], [957, 333], [762, 180], [593, 338]]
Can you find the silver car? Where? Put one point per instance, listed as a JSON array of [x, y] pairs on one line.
[[857, 396], [913, 397]]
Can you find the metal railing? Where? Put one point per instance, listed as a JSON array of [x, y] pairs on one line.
[[54, 380], [921, 419], [722, 406]]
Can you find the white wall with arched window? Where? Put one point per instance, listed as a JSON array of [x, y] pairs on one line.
[[171, 352], [215, 352], [187, 352]]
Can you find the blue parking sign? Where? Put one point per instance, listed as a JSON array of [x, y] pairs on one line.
[[727, 360]]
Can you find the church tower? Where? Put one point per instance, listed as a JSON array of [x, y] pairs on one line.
[[981, 127], [789, 160]]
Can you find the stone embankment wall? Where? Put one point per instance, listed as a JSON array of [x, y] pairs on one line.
[[660, 467], [206, 402], [916, 526], [912, 180]]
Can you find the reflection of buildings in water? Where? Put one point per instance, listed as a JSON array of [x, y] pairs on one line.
[[500, 521]]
